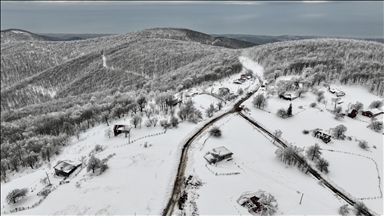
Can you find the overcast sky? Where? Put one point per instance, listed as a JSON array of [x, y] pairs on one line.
[[344, 19]]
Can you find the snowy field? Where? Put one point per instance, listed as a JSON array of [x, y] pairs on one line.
[[351, 168], [137, 182], [254, 158]]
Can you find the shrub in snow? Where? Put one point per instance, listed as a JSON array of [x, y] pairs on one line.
[[108, 132], [98, 148], [165, 124], [305, 131], [363, 144], [313, 104], [376, 126], [174, 121], [322, 165], [360, 208], [15, 195], [103, 167], [240, 91], [282, 113], [344, 210], [215, 131], [210, 110], [148, 123], [45, 192], [268, 204], [376, 104]]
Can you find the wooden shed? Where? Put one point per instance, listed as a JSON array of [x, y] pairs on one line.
[[66, 167]]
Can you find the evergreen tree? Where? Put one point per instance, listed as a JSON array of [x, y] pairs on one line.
[[289, 110], [322, 165], [15, 194]]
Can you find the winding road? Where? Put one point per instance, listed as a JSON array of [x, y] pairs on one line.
[[177, 188]]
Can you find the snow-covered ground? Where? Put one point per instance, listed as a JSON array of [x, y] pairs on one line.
[[140, 179], [351, 168], [254, 158], [137, 182]]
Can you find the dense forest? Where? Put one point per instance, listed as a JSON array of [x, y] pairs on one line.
[[348, 61]]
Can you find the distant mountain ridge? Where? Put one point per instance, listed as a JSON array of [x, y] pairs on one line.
[[264, 39], [16, 35]]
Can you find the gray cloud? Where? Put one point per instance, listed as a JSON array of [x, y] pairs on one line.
[[345, 19]]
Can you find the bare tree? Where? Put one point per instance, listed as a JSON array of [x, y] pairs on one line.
[[15, 194], [93, 164], [268, 204], [259, 101], [338, 131], [313, 152], [136, 119], [322, 165], [357, 106]]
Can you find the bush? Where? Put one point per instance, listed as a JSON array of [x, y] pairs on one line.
[[165, 124], [103, 167], [363, 144], [282, 113], [377, 126], [98, 148], [344, 210], [45, 192], [148, 123], [215, 131], [174, 121], [305, 131], [313, 104], [360, 208]]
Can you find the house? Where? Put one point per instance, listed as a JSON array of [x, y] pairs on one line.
[[372, 113], [323, 136], [353, 113], [336, 91], [118, 129], [288, 96], [66, 167], [218, 154], [250, 201]]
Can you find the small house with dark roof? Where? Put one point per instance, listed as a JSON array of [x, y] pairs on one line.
[[323, 136], [66, 167], [353, 113], [250, 201], [218, 154], [372, 113], [118, 129]]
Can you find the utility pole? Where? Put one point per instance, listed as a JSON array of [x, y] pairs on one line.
[[48, 178], [301, 198]]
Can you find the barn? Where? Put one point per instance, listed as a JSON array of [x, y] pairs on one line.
[[353, 113], [323, 136], [66, 167], [372, 113]]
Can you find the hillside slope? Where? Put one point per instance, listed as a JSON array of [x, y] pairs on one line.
[[17, 35], [48, 70], [348, 61]]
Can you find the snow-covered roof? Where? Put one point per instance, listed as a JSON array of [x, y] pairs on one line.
[[209, 157], [66, 165], [221, 151]]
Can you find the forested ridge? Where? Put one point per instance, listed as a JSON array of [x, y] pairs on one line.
[[345, 60], [54, 90]]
